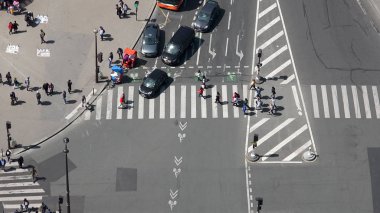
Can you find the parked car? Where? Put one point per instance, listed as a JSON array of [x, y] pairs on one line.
[[150, 40], [206, 16], [152, 83], [177, 45]]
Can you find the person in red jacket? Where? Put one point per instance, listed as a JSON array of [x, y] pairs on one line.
[[10, 27]]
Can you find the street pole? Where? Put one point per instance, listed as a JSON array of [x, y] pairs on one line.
[[136, 4], [96, 54], [8, 126], [66, 151]]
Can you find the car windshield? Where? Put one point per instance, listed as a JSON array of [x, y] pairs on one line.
[[149, 39], [172, 49], [149, 82], [202, 16]]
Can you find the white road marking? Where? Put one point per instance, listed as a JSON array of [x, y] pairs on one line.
[[19, 184], [214, 105], [258, 124], [162, 105], [172, 102], [289, 79], [335, 101], [131, 90], [30, 198], [298, 151], [267, 10], [17, 206], [87, 115], [18, 177], [376, 101], [240, 54], [119, 111], [225, 53], [193, 92], [109, 104], [225, 101], [236, 109], [21, 191], [285, 141], [151, 108], [72, 113], [367, 107], [211, 52], [345, 102], [356, 101], [274, 55], [204, 105], [199, 48], [314, 98], [274, 131], [229, 20], [99, 108], [183, 101], [278, 69], [245, 93], [267, 26], [140, 114], [325, 101], [297, 100]]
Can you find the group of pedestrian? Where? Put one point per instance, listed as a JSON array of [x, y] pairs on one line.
[[12, 27], [121, 10], [49, 88]]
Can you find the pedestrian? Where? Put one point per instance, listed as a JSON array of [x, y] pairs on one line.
[[69, 83], [10, 27], [45, 86], [121, 3], [235, 99], [8, 153], [217, 98], [83, 100], [42, 36], [26, 205], [244, 108], [125, 10], [204, 79], [110, 59], [38, 96], [9, 78], [253, 84], [259, 104], [246, 103], [273, 92], [200, 92], [199, 75], [101, 32], [27, 83], [119, 12], [51, 88], [64, 96], [20, 161], [273, 102], [122, 100], [1, 79], [16, 84], [258, 92], [204, 85], [120, 53], [3, 162], [34, 174], [15, 27]]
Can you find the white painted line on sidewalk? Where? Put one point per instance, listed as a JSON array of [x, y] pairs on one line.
[[236, 109], [98, 110], [225, 53], [30, 198], [267, 26], [325, 101], [274, 131], [162, 105], [19, 184], [297, 100], [119, 111], [18, 177], [356, 101], [345, 102], [21, 191], [270, 41], [72, 113], [109, 104], [131, 90], [172, 102], [267, 10], [376, 101], [151, 108], [367, 107], [183, 101], [274, 55], [225, 101], [17, 206], [314, 98], [298, 151], [285, 141], [204, 105], [289, 79], [258, 124], [278, 69], [193, 92], [214, 105], [335, 101], [140, 113]]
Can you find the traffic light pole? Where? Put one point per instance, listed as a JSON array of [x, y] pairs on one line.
[[8, 126]]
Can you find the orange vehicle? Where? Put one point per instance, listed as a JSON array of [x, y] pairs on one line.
[[170, 4], [129, 58]]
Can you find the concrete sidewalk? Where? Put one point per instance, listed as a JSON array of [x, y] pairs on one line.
[[71, 43]]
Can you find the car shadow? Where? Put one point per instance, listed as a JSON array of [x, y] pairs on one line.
[[191, 51], [189, 5], [218, 19]]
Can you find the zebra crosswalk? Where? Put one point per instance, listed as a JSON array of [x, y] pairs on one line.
[[177, 101], [17, 184], [345, 101]]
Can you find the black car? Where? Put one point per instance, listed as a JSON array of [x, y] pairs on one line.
[[177, 45], [206, 16], [152, 83], [150, 40]]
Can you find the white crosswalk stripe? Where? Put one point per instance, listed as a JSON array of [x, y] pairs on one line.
[[225, 101], [131, 90], [193, 101], [109, 105], [183, 101], [172, 102], [236, 109], [214, 105], [119, 110], [341, 97], [151, 108], [141, 107], [162, 105], [98, 108]]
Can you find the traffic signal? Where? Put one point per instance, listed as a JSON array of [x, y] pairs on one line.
[[8, 125], [60, 199], [260, 53], [136, 4], [259, 203], [255, 138]]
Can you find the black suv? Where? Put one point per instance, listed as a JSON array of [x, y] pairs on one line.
[[177, 45]]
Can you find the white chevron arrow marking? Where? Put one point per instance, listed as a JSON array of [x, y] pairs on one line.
[[177, 161]]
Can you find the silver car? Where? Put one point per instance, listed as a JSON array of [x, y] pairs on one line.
[[150, 40], [206, 16]]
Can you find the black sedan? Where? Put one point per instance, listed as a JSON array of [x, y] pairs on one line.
[[206, 16], [152, 83]]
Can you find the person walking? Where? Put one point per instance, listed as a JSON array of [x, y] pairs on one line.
[[83, 100], [110, 59], [204, 79], [101, 33], [125, 10], [26, 205], [10, 27], [258, 92], [1, 79], [45, 86], [122, 100], [235, 99], [9, 78], [8, 153], [34, 174], [38, 96], [64, 96], [15, 27], [42, 36], [199, 75], [253, 84], [217, 98], [244, 108], [273, 92], [119, 12], [16, 84], [20, 161], [69, 83], [246, 103], [27, 83], [120, 53], [200, 92], [51, 89], [259, 104]]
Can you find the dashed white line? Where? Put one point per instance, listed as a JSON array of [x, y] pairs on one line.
[[229, 20], [225, 53]]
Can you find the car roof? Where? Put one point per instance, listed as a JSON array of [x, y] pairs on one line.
[[209, 6], [151, 29], [157, 73], [183, 34]]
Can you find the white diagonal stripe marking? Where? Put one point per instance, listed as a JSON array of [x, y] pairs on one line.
[[289, 79], [267, 26], [274, 131], [335, 101], [367, 107], [267, 10], [274, 55], [278, 69], [271, 40], [298, 151], [258, 124]]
